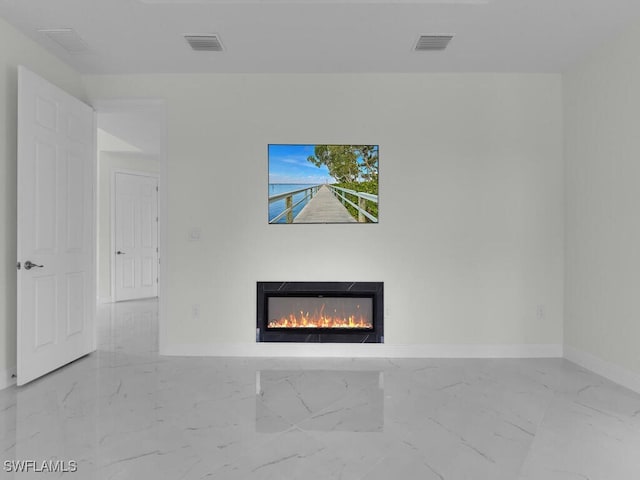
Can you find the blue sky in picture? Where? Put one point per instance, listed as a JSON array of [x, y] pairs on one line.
[[289, 164]]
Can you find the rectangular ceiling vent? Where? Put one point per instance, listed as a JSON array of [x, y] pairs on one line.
[[204, 42], [428, 43], [67, 38]]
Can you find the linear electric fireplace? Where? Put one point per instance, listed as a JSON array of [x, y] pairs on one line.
[[320, 312]]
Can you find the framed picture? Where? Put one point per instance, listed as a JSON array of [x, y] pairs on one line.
[[323, 183]]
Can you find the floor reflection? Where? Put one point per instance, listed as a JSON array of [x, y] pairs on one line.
[[320, 400], [126, 413]]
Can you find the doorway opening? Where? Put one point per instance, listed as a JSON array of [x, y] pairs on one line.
[[131, 200]]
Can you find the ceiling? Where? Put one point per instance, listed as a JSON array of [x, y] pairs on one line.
[[325, 36]]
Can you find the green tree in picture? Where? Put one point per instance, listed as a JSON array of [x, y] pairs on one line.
[[348, 163], [339, 159], [369, 161], [355, 167]]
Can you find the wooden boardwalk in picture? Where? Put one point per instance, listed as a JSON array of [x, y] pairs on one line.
[[324, 207]]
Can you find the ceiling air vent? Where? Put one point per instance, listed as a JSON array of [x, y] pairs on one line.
[[67, 38], [427, 43], [204, 42]]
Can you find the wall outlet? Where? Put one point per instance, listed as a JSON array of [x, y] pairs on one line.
[[195, 311], [540, 312]]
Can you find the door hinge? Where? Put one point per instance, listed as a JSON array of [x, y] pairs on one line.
[[156, 219], [157, 188]]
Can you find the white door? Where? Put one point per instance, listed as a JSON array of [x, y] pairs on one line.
[[136, 236], [56, 279]]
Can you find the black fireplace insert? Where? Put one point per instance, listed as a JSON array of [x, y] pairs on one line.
[[320, 312]]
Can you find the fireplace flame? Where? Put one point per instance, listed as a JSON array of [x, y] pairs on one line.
[[320, 319]]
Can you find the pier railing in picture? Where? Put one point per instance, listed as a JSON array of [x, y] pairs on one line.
[[309, 192], [361, 206]]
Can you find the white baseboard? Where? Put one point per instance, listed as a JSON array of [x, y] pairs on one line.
[[611, 371], [7, 378], [363, 350]]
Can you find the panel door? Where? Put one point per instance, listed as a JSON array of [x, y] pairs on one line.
[[136, 236], [56, 253]]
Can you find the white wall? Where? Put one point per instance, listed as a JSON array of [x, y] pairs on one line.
[[17, 49], [108, 163], [602, 107], [470, 239]]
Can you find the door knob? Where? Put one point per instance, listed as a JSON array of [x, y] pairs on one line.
[[120, 253], [28, 265]]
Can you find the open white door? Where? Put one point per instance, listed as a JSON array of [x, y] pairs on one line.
[[136, 236], [56, 279]]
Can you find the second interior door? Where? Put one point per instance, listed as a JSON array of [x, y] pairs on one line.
[[135, 236]]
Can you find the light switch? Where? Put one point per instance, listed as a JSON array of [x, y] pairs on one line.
[[194, 234]]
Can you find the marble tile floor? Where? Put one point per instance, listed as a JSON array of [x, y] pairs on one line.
[[126, 413]]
